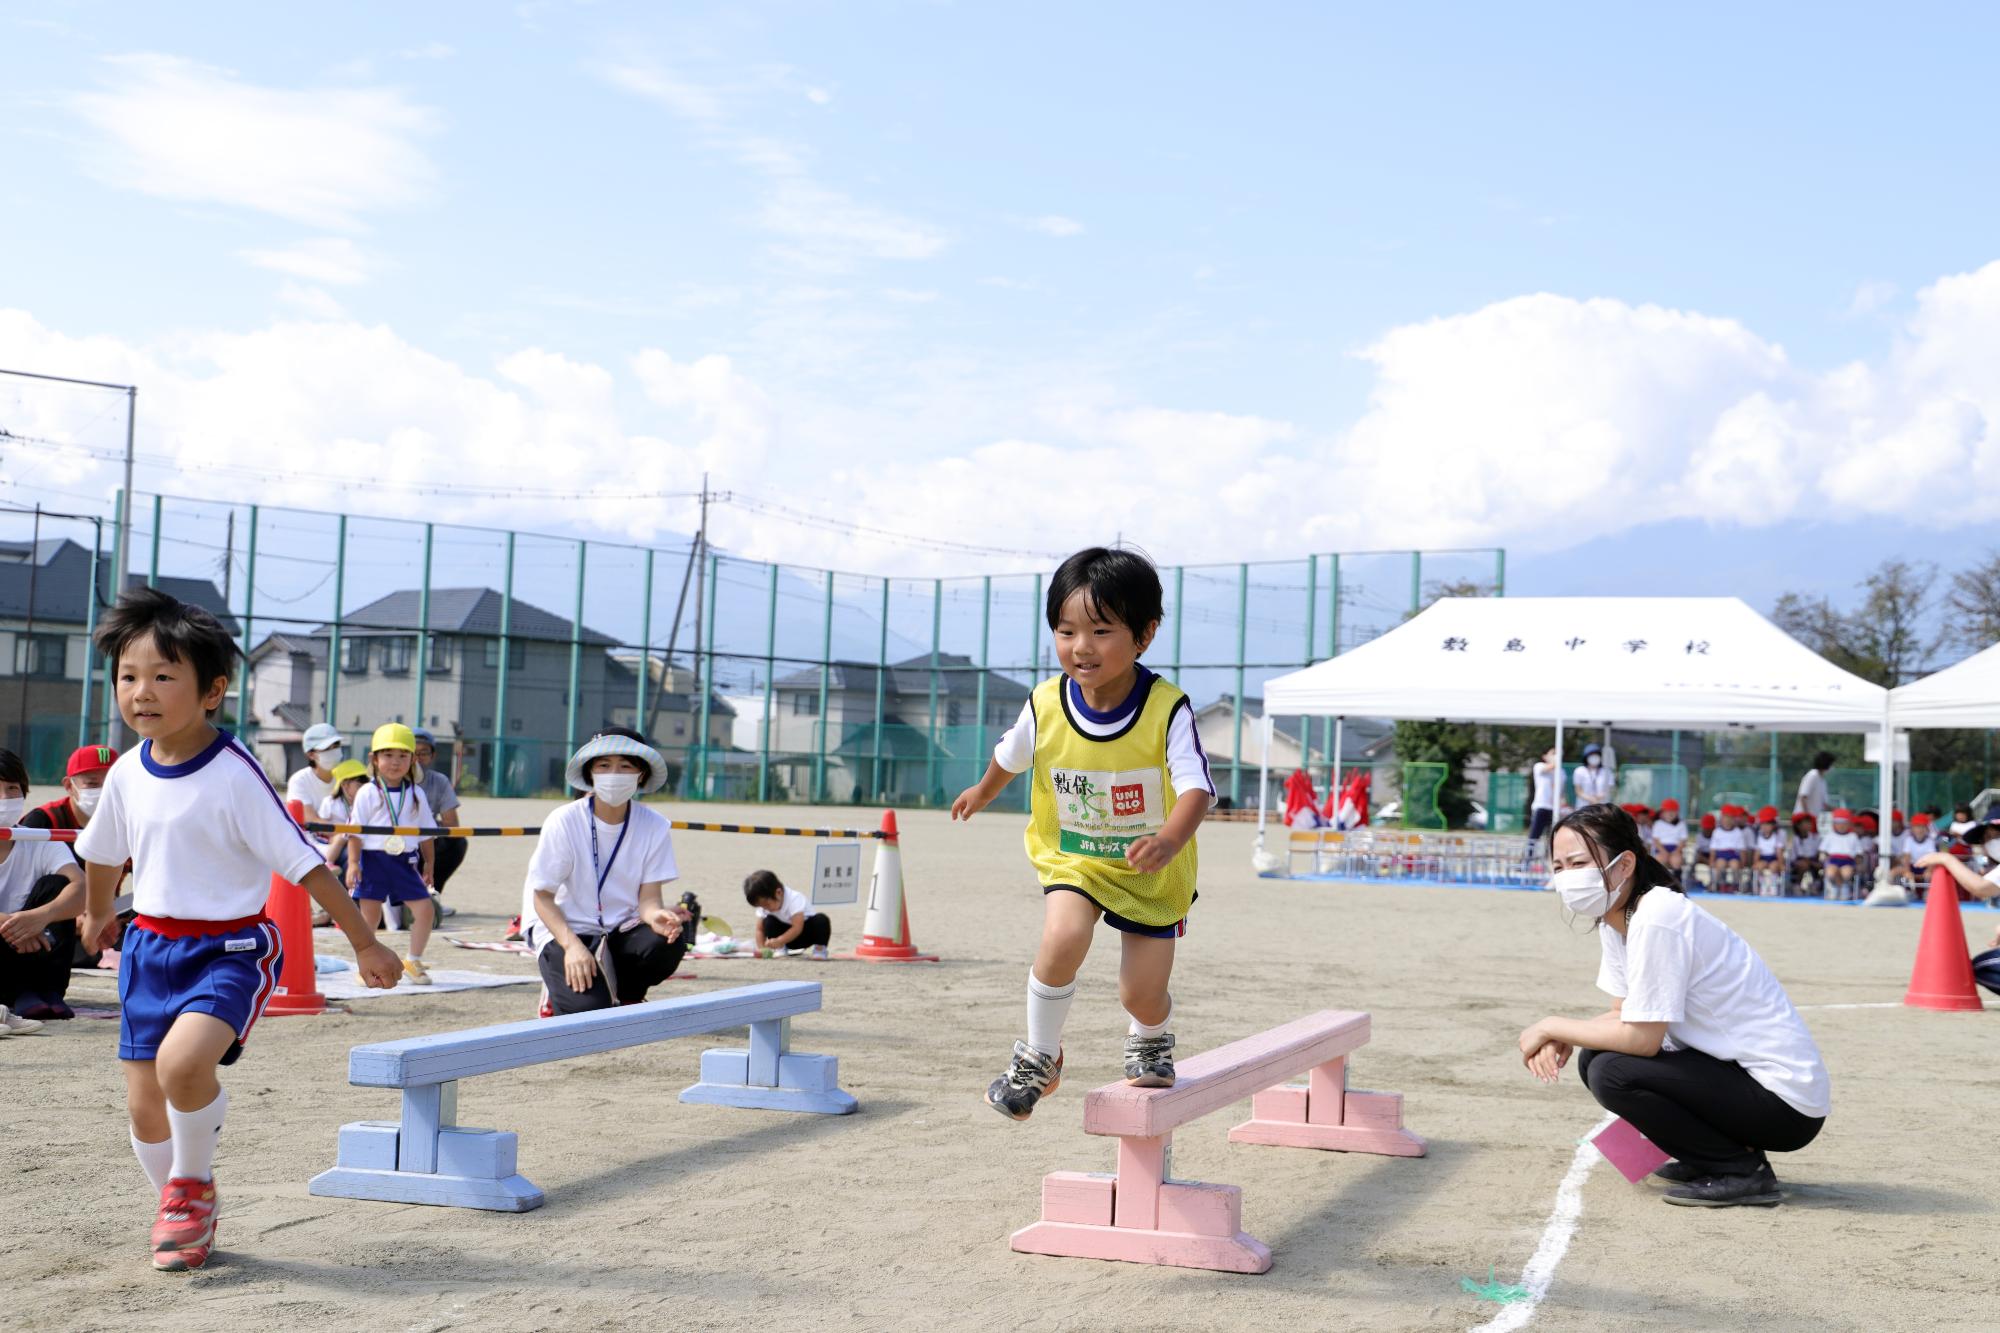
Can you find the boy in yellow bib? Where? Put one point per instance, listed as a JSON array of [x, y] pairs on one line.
[[1120, 784]]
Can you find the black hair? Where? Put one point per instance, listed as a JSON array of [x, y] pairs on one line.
[[761, 886], [13, 770], [1609, 833], [1119, 585], [184, 633], [1823, 760], [645, 769]]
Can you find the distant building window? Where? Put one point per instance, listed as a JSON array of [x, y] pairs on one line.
[[396, 657], [440, 656], [40, 654], [805, 704], [951, 713], [514, 724], [355, 661], [486, 723], [997, 716], [680, 726], [517, 654]]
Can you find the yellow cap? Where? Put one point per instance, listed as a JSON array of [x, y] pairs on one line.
[[348, 768], [393, 736]]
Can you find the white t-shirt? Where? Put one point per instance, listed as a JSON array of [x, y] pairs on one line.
[[1911, 846], [1545, 786], [1683, 967], [1812, 795], [334, 810], [1187, 762], [792, 904], [1841, 844], [204, 837], [1593, 785], [28, 862], [1669, 836], [409, 810], [1805, 848], [1771, 846], [308, 786], [1730, 840], [562, 865]]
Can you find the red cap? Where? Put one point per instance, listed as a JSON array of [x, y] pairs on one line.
[[1769, 812], [1708, 823], [1844, 813], [1896, 813], [1920, 818], [1805, 817], [1670, 804], [90, 759], [1867, 823]]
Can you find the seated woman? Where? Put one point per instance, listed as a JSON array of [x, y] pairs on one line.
[[1703, 1052], [601, 933]]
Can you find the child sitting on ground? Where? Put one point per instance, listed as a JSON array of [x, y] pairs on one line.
[[1729, 850], [1842, 851], [1915, 845], [1670, 834], [785, 919], [1805, 850]]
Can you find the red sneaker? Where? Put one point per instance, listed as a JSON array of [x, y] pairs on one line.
[[185, 1229]]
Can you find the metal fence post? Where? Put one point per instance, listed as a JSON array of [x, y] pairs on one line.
[[153, 576], [1416, 581], [117, 588], [881, 688], [333, 640], [1035, 632], [1242, 647], [825, 680], [645, 672], [246, 714], [705, 669], [500, 684], [1499, 571], [1180, 616], [931, 740], [423, 662], [90, 642], [575, 652], [985, 660], [770, 689]]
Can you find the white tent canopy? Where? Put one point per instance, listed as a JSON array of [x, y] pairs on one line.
[[1656, 663], [1965, 695]]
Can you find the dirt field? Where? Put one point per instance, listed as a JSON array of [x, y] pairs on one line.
[[664, 1216]]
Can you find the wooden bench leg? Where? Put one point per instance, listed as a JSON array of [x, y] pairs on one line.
[[770, 1076], [427, 1159], [1326, 1113], [1143, 1217]]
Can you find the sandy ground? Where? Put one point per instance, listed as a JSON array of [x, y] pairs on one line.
[[667, 1216]]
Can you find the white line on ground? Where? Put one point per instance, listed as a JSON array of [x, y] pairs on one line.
[[1541, 1269], [1877, 1004]]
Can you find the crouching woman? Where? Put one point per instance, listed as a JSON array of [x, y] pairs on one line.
[[1703, 1052], [600, 932]]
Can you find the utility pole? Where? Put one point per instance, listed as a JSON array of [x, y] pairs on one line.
[[697, 564]]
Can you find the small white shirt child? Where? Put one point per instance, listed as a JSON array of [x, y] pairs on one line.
[[1730, 840], [1669, 836], [1910, 846], [792, 904], [1846, 844]]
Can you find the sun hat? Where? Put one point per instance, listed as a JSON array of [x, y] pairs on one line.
[[599, 746], [392, 736], [348, 768], [89, 759], [318, 736]]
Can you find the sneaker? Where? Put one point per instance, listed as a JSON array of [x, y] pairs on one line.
[[1679, 1173], [444, 909], [414, 969], [819, 952], [1149, 1061], [545, 1009], [185, 1228], [514, 935], [1031, 1077], [13, 1025], [1759, 1188]]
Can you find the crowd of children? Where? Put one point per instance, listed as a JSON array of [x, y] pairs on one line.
[[1735, 850]]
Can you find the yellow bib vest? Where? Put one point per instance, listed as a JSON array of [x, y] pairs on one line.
[[1093, 797]]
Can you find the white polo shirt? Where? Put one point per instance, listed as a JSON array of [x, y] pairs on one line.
[[562, 865], [204, 837], [1681, 966]]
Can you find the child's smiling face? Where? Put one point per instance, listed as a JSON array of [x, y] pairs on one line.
[[392, 765], [1096, 652], [158, 696]]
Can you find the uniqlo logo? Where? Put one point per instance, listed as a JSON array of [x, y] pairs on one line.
[[1129, 800]]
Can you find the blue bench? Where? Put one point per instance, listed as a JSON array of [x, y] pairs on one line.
[[426, 1158]]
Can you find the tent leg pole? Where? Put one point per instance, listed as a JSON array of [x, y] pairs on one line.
[[1338, 724], [1885, 797], [1559, 768], [1263, 779]]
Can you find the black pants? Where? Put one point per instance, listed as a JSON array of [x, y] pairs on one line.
[[817, 930], [1538, 826], [641, 957], [1708, 1113], [450, 854], [44, 972]]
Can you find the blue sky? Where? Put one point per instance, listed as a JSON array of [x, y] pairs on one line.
[[1687, 302]]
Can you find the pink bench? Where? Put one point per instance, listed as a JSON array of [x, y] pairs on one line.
[[1142, 1216]]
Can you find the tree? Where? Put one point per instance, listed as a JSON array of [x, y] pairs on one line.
[[1972, 606], [1885, 639], [1449, 743]]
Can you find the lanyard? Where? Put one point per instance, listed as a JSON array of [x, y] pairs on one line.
[[604, 872], [395, 806]]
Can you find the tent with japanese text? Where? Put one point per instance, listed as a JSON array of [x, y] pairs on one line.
[[1698, 663]]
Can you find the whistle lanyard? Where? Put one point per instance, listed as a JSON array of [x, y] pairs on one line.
[[604, 872]]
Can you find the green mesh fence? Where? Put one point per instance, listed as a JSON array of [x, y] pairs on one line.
[[1421, 784], [1507, 798]]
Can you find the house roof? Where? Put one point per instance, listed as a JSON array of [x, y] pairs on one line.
[[1359, 735], [471, 611], [59, 570], [958, 678], [297, 644]]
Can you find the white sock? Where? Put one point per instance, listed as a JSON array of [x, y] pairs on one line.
[[1139, 1029], [1048, 1007], [157, 1159], [195, 1133]]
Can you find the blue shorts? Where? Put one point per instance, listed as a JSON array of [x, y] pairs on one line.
[[171, 967], [390, 879], [1728, 856], [1834, 859], [1125, 923]]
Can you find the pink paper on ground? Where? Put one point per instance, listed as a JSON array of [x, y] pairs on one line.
[[1635, 1155]]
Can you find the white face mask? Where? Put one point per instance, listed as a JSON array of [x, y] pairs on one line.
[[328, 757], [615, 788], [1595, 760], [1992, 849], [1583, 890], [86, 798], [11, 810]]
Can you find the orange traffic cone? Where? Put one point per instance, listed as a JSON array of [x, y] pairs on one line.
[[291, 911], [885, 931], [1942, 978]]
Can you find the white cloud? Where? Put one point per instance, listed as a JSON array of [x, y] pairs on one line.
[[325, 157], [1053, 224], [312, 302], [329, 259], [1871, 296], [428, 51]]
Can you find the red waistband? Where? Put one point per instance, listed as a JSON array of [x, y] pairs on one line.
[[180, 928]]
